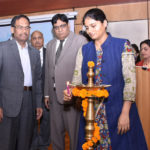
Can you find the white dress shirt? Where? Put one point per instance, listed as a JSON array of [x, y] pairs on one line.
[[41, 55], [26, 65], [58, 42]]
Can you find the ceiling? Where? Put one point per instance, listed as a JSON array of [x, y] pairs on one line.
[[13, 7]]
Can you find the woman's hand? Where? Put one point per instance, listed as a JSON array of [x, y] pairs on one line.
[[124, 120], [123, 123]]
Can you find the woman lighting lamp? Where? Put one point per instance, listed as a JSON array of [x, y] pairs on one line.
[[120, 127]]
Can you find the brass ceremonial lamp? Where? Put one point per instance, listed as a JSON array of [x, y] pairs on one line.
[[90, 114]]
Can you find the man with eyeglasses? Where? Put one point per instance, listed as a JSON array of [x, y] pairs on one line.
[[59, 68], [20, 87]]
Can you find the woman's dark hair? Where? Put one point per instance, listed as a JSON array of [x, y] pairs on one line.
[[13, 21], [85, 35], [96, 14], [61, 17], [136, 48], [145, 42]]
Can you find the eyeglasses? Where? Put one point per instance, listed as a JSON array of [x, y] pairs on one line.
[[61, 27], [21, 27]]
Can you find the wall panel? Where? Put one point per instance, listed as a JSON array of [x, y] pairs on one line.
[[81, 12], [28, 6], [122, 12], [78, 28]]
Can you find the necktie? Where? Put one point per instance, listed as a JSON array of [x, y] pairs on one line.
[[59, 50]]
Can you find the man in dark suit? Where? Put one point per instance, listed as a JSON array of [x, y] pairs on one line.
[[41, 139], [20, 88], [58, 70]]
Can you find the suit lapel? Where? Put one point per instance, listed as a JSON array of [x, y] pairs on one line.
[[16, 53], [44, 54], [54, 51]]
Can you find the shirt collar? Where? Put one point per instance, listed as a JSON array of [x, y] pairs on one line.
[[58, 41], [20, 47], [41, 49]]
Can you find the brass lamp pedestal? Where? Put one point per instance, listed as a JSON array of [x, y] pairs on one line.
[[90, 118], [90, 113]]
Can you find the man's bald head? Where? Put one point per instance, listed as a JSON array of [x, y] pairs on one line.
[[37, 39]]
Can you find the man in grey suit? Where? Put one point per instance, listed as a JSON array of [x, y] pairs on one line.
[[20, 87], [59, 69], [41, 139]]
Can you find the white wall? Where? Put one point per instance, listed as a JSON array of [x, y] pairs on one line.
[[134, 31]]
